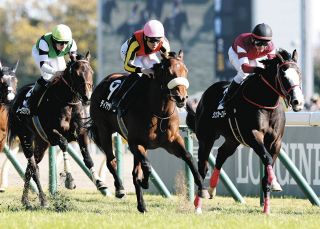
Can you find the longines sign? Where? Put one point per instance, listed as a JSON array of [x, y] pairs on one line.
[[302, 144]]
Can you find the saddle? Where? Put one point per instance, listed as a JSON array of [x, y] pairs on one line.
[[118, 92]]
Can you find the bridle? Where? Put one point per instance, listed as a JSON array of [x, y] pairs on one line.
[[71, 87], [279, 88]]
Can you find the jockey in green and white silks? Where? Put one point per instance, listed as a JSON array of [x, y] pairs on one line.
[[48, 54]]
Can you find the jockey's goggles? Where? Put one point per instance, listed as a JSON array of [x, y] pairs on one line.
[[153, 39], [260, 43], [61, 42]]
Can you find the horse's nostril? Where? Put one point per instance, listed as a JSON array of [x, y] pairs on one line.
[[295, 102]]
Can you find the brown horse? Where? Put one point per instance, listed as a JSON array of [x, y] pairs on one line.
[[59, 120], [151, 120], [254, 118], [8, 87]]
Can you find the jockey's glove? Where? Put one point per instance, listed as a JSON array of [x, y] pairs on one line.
[[148, 72], [259, 70]]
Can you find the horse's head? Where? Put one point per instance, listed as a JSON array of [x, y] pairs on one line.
[[172, 73], [8, 83], [288, 77], [79, 76]]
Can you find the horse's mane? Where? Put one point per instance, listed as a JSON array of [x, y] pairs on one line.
[[284, 54]]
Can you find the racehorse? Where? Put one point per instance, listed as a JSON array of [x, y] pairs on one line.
[[8, 87], [59, 120], [151, 120], [254, 118]]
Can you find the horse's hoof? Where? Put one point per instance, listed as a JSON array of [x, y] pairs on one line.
[[144, 184], [203, 193], [69, 182], [120, 193], [141, 209], [44, 204], [100, 185], [198, 211], [275, 186], [212, 192], [2, 189], [25, 202]]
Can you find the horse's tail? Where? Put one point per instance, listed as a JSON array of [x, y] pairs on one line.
[[191, 117], [93, 133]]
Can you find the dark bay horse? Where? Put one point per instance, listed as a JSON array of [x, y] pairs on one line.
[[254, 118], [59, 119], [151, 121], [8, 87]]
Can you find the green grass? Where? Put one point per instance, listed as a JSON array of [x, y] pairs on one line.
[[87, 209]]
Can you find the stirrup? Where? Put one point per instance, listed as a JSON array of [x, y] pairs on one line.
[[23, 111]]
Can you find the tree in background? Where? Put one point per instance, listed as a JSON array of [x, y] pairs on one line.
[[22, 22]]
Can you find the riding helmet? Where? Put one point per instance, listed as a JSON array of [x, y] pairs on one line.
[[262, 32], [62, 33], [153, 28]]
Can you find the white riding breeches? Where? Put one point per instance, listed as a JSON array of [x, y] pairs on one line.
[[236, 63], [58, 63], [141, 61]]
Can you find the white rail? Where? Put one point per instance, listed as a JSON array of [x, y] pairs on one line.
[[293, 118]]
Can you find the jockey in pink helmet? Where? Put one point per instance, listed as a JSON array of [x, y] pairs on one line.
[[140, 52]]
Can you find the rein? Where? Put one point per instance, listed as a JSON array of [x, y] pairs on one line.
[[164, 118], [279, 90]]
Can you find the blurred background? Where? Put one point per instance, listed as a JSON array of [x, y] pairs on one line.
[[203, 29]]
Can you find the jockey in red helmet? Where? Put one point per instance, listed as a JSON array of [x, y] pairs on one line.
[[245, 53]]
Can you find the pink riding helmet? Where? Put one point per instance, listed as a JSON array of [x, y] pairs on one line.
[[153, 28]]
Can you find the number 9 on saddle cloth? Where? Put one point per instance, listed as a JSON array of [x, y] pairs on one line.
[[118, 93]]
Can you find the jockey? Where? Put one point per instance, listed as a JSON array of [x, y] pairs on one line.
[[245, 53], [48, 53], [140, 52]]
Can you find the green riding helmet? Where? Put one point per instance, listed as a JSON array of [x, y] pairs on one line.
[[62, 33]]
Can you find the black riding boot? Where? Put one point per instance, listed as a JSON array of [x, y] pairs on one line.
[[126, 86], [232, 89], [30, 103]]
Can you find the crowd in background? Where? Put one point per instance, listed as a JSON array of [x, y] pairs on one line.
[[140, 13]]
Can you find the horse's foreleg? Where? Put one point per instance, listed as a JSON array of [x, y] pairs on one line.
[[266, 195], [112, 166], [83, 141], [136, 175], [36, 178], [140, 153], [25, 195]]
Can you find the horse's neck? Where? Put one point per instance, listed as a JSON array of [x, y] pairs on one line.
[[61, 91], [159, 100], [261, 90]]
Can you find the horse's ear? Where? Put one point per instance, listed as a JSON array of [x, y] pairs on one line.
[[180, 55], [0, 66], [73, 57], [88, 55], [15, 68], [295, 55]]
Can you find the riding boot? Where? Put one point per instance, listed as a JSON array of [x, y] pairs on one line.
[[231, 91], [30, 103], [118, 100]]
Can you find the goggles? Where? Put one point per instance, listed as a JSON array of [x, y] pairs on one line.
[[153, 39], [61, 42], [260, 43]]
